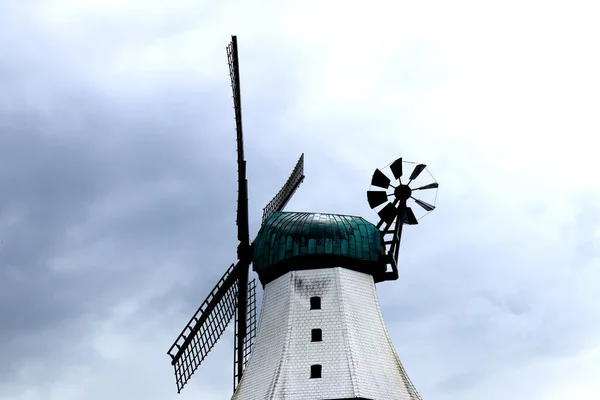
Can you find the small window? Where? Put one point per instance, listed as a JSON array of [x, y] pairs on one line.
[[316, 335], [315, 371], [315, 303]]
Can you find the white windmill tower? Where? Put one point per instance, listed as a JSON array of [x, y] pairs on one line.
[[321, 333]]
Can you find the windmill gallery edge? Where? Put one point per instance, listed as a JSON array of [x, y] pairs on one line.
[[321, 333]]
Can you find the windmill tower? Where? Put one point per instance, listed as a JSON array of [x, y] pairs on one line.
[[321, 332]]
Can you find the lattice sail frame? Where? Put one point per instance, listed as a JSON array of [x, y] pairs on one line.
[[202, 331], [251, 323], [285, 193]]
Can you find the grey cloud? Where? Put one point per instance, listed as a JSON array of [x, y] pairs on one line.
[[56, 183]]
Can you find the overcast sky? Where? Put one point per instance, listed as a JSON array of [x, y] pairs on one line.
[[118, 182]]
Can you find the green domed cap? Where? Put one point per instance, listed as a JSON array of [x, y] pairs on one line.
[[298, 240]]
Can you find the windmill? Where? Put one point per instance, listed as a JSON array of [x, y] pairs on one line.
[[321, 332], [232, 294]]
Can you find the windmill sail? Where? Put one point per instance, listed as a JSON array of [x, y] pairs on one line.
[[285, 193], [250, 333], [204, 328], [242, 210], [244, 250]]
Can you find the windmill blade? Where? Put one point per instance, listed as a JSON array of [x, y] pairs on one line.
[[396, 168], [250, 334], [417, 171], [204, 328], [287, 191], [388, 213], [426, 206], [380, 180], [244, 249], [242, 204], [376, 198], [408, 217], [251, 320], [434, 185]]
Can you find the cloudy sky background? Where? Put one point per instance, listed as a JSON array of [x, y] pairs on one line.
[[118, 181]]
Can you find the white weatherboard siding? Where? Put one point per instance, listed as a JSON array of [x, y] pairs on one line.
[[356, 353]]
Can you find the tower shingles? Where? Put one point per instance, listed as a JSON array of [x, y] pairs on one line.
[[356, 355]]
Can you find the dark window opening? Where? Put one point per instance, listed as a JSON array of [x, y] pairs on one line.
[[315, 371], [316, 335], [315, 303]]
